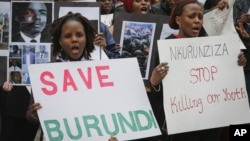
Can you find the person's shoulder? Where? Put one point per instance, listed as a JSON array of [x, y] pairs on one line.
[[160, 9], [119, 7], [171, 36], [157, 5]]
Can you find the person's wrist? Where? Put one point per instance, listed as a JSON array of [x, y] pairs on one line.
[[155, 86]]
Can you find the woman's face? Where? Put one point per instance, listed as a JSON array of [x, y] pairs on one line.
[[170, 3], [106, 6], [191, 20], [141, 6], [73, 39]]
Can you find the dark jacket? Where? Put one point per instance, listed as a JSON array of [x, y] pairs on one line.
[[111, 50], [16, 127], [161, 9], [241, 7], [45, 38]]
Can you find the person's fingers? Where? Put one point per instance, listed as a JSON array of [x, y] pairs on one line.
[[7, 86], [242, 59]]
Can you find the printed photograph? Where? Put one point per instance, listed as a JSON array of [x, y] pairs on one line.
[[30, 22], [15, 51], [42, 54], [137, 41], [4, 24]]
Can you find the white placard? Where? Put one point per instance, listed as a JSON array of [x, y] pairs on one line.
[[205, 87], [92, 100]]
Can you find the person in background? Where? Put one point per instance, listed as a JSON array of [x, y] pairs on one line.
[[107, 16], [137, 6], [186, 15], [156, 100], [241, 16], [164, 7], [73, 38], [107, 11], [155, 1], [106, 27], [105, 40], [119, 6]]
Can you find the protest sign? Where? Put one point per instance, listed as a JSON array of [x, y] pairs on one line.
[[205, 87], [92, 100]]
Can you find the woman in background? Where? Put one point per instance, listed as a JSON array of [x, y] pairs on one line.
[[187, 17]]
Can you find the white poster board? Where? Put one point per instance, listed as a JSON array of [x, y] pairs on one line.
[[205, 87], [92, 100]]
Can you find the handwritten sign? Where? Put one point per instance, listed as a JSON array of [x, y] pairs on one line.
[[92, 100], [205, 87]]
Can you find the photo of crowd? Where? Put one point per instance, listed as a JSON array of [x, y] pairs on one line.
[[137, 42]]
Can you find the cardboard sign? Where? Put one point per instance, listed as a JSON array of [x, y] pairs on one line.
[[205, 87], [92, 100]]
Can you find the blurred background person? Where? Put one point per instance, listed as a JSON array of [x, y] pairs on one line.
[[241, 15], [107, 11]]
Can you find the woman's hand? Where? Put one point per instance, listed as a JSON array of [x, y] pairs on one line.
[[222, 4], [159, 73], [242, 61], [7, 86], [100, 40], [113, 139], [118, 47], [241, 30], [33, 111], [245, 18]]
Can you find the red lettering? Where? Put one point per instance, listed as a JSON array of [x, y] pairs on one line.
[[102, 77], [68, 81], [194, 76], [213, 71], [202, 74], [49, 83], [88, 82]]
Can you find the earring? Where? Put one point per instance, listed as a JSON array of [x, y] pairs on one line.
[[180, 25]]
